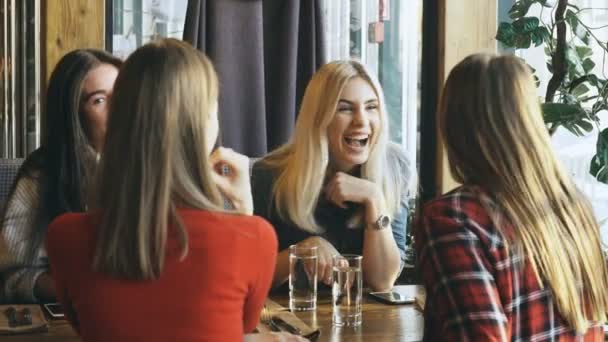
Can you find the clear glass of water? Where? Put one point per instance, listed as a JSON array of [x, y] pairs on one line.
[[303, 264], [347, 290]]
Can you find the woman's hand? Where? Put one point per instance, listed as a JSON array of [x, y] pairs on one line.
[[325, 254], [231, 174], [274, 337], [346, 188]]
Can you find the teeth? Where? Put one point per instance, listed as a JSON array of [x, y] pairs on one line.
[[356, 142]]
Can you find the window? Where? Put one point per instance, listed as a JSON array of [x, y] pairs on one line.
[[390, 48], [136, 22], [574, 152], [19, 78]]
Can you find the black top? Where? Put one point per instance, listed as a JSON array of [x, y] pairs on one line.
[[329, 216]]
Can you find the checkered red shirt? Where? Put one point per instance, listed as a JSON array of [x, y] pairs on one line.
[[477, 290]]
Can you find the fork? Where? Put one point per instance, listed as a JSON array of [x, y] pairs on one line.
[[277, 323]]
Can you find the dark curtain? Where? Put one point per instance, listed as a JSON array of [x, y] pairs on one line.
[[265, 52]]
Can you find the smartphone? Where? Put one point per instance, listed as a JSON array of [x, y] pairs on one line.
[[54, 309], [401, 294]]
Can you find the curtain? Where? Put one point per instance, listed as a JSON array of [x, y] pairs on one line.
[[265, 52]]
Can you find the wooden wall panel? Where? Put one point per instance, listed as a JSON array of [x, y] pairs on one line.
[[68, 25], [466, 27]]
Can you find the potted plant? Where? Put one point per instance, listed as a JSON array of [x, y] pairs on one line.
[[575, 94]]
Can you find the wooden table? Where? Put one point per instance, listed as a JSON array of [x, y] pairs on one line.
[[59, 331], [381, 322]]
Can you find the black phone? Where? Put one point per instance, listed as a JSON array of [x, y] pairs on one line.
[[402, 294], [54, 309]]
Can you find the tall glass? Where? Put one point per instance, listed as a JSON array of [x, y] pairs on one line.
[[347, 290], [303, 263]]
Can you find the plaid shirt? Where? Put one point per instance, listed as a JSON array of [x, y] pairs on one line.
[[477, 289]]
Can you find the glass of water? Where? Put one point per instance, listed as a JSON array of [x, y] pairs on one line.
[[347, 290], [303, 263]]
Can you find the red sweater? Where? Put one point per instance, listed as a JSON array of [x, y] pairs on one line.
[[215, 294]]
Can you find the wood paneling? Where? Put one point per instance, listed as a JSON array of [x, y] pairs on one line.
[[69, 25], [466, 27]]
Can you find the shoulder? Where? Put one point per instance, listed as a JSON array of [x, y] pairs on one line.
[[25, 194], [462, 211], [33, 165], [261, 171], [28, 185], [70, 229], [263, 177], [28, 177], [396, 154], [398, 162], [259, 226], [251, 229]]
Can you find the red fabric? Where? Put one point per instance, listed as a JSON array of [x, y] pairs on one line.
[[215, 294], [477, 289]]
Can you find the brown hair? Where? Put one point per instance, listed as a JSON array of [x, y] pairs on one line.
[[492, 126], [155, 157]]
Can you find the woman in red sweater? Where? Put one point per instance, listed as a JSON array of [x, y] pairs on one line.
[[161, 260]]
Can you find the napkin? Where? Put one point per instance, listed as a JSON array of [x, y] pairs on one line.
[[288, 317], [420, 300], [39, 323]]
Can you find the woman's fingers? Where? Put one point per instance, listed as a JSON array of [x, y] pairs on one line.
[[324, 270], [334, 194], [325, 254], [327, 259], [230, 173]]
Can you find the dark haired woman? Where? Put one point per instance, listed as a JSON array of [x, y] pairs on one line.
[[54, 179]]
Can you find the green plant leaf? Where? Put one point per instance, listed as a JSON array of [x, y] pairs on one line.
[[556, 112], [540, 35], [599, 163], [522, 41], [584, 51], [526, 24], [506, 34], [520, 9], [588, 65], [575, 64], [544, 32], [580, 90], [577, 29], [585, 125], [572, 116]]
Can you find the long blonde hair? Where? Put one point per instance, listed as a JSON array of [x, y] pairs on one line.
[[492, 126], [302, 163], [155, 157]]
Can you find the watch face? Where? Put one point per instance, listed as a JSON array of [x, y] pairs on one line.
[[384, 221]]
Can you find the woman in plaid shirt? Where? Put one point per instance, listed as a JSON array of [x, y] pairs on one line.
[[513, 254]]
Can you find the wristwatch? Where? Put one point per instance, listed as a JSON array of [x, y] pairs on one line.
[[383, 222]]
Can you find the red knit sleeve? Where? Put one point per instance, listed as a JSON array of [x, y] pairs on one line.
[[60, 238], [263, 257]]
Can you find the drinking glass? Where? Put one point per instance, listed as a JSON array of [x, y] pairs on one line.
[[303, 263], [347, 290]]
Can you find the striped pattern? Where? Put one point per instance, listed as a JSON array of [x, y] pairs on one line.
[[8, 172], [18, 270], [477, 288]]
